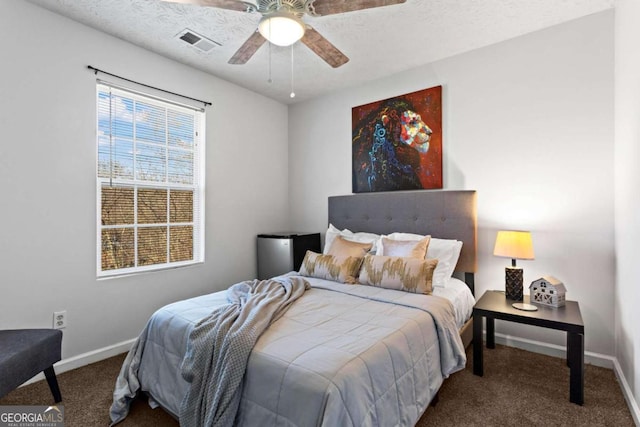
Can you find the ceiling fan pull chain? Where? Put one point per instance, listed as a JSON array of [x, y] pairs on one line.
[[269, 64], [270, 53], [293, 94]]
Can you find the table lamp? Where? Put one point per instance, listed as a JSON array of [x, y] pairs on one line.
[[514, 245]]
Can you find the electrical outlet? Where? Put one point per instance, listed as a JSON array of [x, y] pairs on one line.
[[59, 319]]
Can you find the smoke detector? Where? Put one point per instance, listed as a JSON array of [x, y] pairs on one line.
[[196, 40]]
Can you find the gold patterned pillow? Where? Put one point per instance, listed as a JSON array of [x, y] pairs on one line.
[[330, 267], [405, 248], [400, 273], [342, 247]]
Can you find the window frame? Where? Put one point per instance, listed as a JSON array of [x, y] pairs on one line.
[[197, 186]]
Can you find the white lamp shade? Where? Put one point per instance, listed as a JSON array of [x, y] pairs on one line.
[[281, 29], [514, 245]]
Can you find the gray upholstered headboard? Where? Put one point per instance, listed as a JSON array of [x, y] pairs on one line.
[[443, 214]]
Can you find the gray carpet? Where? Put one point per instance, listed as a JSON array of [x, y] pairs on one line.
[[523, 388], [518, 388]]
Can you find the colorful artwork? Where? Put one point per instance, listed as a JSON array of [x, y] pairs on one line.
[[397, 143]]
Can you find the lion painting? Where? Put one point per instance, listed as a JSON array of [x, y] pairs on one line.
[[390, 144]]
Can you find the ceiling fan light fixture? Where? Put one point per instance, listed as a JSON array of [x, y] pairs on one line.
[[281, 28]]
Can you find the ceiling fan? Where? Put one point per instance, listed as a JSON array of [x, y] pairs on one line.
[[282, 24]]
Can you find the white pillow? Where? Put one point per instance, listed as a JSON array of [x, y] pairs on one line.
[[333, 232], [403, 248], [446, 251]]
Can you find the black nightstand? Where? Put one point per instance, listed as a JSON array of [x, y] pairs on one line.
[[494, 305]]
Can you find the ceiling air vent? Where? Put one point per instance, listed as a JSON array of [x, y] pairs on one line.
[[196, 40]]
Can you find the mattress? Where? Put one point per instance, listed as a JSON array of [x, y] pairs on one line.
[[341, 355], [459, 294]]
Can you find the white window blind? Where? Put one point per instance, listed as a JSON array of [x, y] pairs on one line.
[[150, 183]]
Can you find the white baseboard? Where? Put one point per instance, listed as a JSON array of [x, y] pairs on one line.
[[626, 391], [591, 358], [596, 359], [87, 358]]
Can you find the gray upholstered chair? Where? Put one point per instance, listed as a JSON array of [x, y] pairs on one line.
[[25, 353]]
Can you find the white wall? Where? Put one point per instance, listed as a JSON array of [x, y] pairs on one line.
[[528, 123], [47, 180], [627, 186]]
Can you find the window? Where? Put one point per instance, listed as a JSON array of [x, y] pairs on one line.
[[149, 183]]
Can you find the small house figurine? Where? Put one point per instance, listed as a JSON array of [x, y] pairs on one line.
[[548, 291]]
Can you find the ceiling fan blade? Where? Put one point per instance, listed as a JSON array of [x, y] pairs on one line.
[[323, 48], [238, 5], [248, 49], [331, 7]]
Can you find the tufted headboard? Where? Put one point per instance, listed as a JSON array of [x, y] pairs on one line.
[[445, 214]]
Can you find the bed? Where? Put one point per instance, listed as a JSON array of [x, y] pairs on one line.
[[443, 214], [343, 354]]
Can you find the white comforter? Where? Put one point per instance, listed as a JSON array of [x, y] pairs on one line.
[[347, 355]]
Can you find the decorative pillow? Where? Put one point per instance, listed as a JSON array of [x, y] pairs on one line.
[[446, 251], [342, 247], [405, 248], [400, 273], [333, 232], [329, 267]]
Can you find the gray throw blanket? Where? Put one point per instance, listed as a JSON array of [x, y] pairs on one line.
[[219, 347], [127, 383]]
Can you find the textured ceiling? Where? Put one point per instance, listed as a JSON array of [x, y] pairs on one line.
[[379, 42]]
